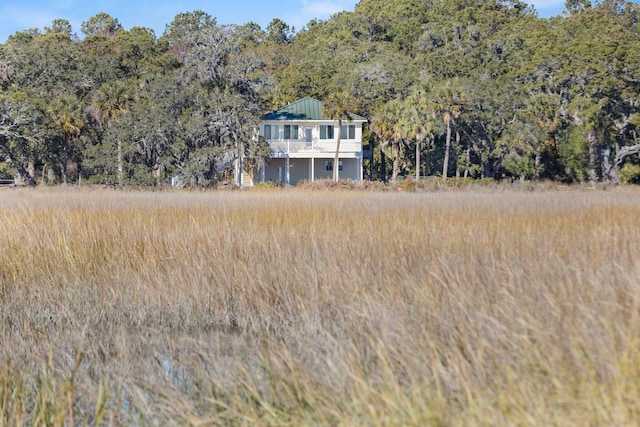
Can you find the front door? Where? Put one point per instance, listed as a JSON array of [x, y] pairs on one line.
[[308, 134]]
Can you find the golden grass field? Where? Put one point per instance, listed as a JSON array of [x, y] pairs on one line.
[[494, 307]]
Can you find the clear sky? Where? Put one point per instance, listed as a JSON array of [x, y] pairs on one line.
[[20, 15]]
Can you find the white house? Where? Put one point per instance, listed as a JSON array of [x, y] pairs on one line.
[[303, 144]]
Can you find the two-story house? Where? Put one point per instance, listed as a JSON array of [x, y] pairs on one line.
[[303, 144]]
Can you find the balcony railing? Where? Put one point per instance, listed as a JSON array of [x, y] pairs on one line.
[[280, 148]]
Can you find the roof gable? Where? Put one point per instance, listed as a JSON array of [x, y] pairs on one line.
[[303, 109]]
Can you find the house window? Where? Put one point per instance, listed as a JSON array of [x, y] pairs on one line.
[[328, 165], [348, 132], [326, 131], [271, 132], [291, 132]]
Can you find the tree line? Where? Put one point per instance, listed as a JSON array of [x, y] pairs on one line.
[[471, 88]]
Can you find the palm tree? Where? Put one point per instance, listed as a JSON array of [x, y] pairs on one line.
[[388, 126], [109, 103], [381, 125], [545, 109], [416, 123], [397, 111], [447, 100], [67, 115], [336, 107]]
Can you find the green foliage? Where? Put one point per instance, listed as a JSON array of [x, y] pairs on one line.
[[466, 87], [630, 173], [185, 25], [101, 24], [60, 26], [6, 172], [573, 152], [279, 32]]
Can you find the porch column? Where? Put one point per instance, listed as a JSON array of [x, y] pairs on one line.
[[237, 171], [313, 172], [286, 172]]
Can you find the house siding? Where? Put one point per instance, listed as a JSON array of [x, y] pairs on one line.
[[276, 141], [307, 159]]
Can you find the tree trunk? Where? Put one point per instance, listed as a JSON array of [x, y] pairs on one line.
[[65, 159], [21, 177], [120, 166], [537, 162], [457, 148], [240, 172], [383, 164], [609, 174], [372, 169], [621, 154], [160, 173], [51, 176], [396, 161], [31, 169], [417, 159], [447, 148], [593, 155], [427, 160], [468, 162], [336, 158]]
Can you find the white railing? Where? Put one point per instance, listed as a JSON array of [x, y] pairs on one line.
[[318, 146]]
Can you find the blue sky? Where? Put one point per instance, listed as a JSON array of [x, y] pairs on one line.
[[20, 15]]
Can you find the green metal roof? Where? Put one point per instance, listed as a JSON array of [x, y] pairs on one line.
[[303, 109]]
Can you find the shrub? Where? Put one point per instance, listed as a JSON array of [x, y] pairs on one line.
[[630, 173]]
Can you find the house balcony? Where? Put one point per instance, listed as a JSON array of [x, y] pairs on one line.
[[300, 148]]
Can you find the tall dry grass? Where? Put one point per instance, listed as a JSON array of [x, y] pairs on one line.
[[319, 308]]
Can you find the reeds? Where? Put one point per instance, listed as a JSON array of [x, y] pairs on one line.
[[319, 308]]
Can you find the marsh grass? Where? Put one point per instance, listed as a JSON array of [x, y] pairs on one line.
[[320, 308]]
